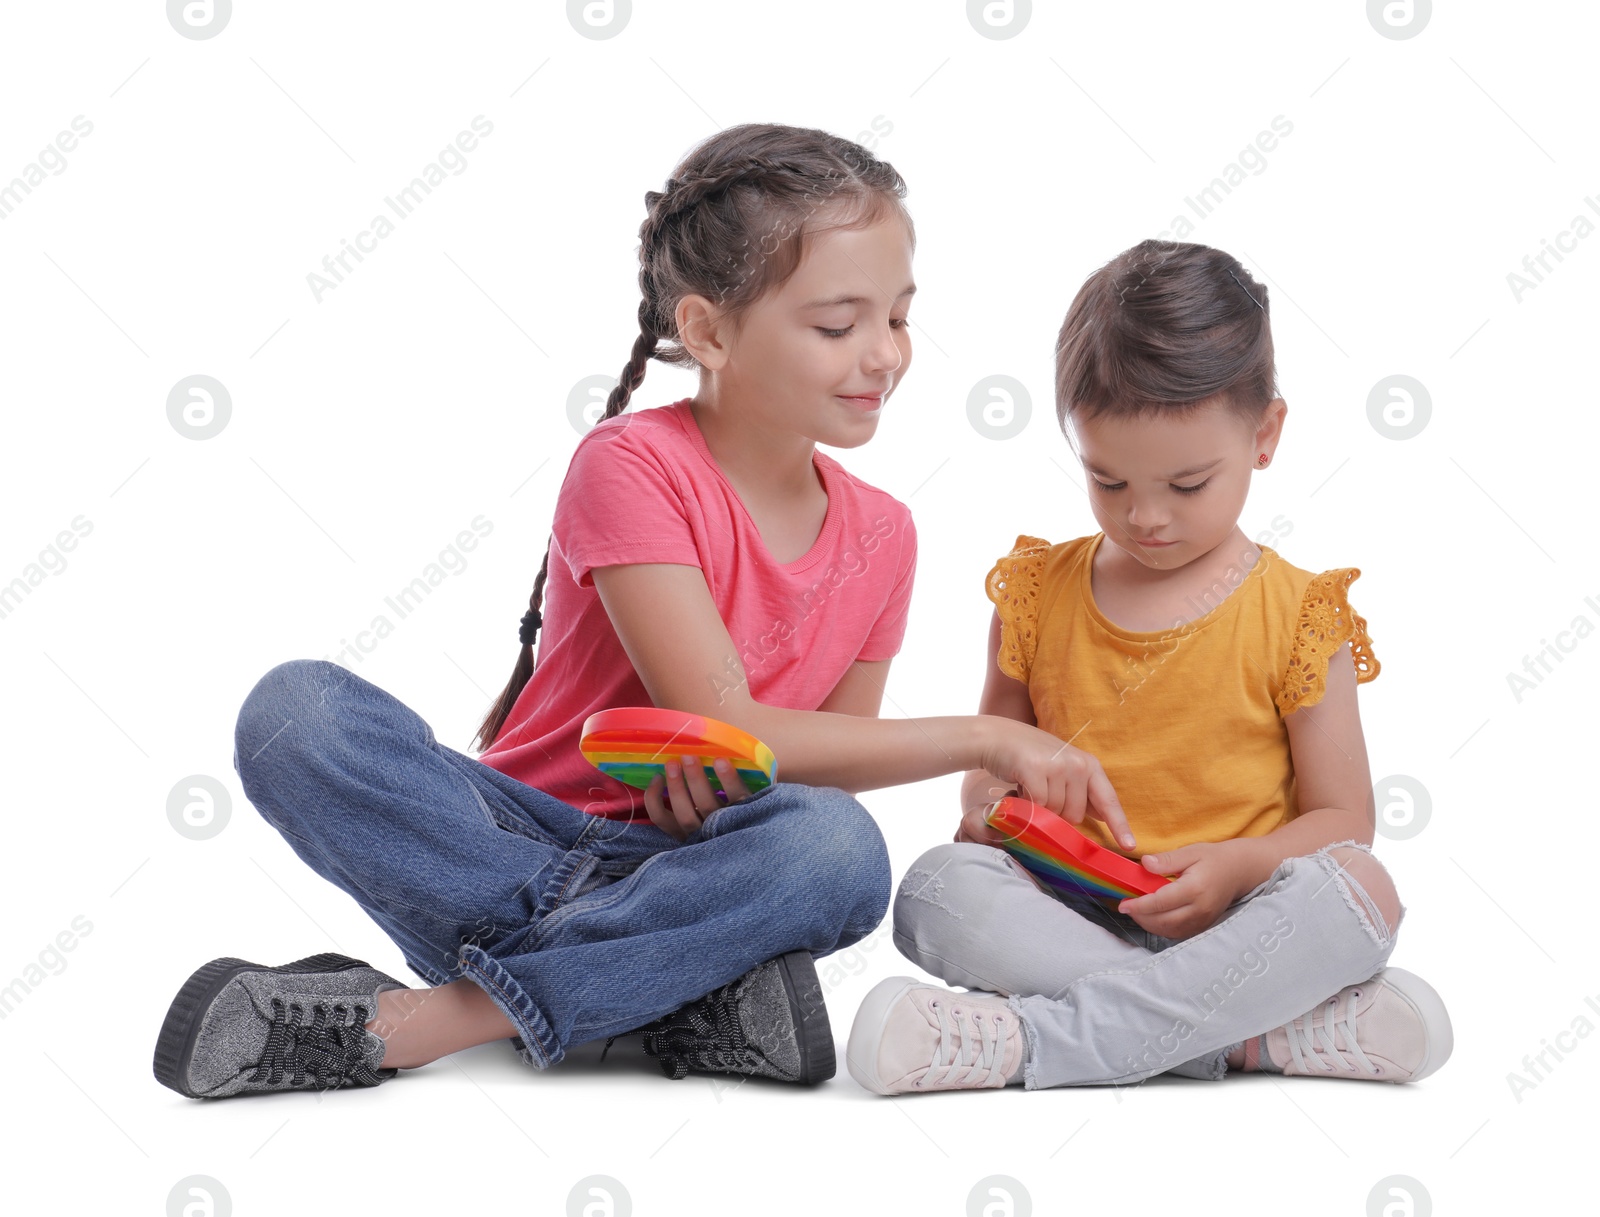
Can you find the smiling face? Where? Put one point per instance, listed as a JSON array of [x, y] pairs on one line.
[[1168, 490], [819, 355]]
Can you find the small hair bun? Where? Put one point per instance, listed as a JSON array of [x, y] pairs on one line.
[[531, 621]]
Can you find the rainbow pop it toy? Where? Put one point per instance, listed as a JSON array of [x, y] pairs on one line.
[[1063, 857], [634, 743]]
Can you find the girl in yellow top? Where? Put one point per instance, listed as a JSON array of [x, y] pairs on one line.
[[1215, 683]]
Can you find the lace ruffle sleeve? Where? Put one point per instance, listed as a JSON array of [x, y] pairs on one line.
[[1326, 622], [1013, 586]]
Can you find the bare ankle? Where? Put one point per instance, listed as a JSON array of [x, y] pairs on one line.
[[421, 1025], [395, 1007]]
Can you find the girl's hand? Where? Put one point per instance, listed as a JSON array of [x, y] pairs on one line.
[[691, 797], [1054, 775], [1210, 877]]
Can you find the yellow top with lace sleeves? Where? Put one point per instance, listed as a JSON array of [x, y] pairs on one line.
[[1187, 722]]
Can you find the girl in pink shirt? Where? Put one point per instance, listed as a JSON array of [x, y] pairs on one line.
[[704, 557]]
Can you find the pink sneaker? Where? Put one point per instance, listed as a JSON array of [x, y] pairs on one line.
[[1392, 1028], [910, 1037]]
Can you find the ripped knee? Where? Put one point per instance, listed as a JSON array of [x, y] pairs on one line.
[[1367, 888], [957, 879], [933, 876]]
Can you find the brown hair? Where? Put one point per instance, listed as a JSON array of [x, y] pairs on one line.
[[1162, 328], [731, 225]]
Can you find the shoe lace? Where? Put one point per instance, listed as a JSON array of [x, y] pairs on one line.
[[963, 1049], [1315, 1037], [704, 1031], [331, 1050]]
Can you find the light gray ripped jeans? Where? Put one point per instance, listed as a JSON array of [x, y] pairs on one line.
[[1104, 1002]]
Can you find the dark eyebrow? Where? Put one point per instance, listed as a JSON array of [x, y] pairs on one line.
[[851, 299], [1170, 477]]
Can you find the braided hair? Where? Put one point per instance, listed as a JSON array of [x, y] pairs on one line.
[[731, 225]]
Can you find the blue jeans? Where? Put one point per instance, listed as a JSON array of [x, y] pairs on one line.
[[576, 926]]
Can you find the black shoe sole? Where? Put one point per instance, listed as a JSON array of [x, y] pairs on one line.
[[812, 1029], [180, 1030]]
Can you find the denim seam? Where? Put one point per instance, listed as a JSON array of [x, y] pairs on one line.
[[598, 901], [590, 829], [1029, 1081], [573, 864], [552, 897], [531, 1025], [488, 813], [506, 822], [600, 830]]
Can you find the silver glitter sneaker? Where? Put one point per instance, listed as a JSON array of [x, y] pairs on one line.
[[241, 1028], [770, 1023]]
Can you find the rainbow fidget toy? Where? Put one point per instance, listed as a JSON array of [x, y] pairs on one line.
[[634, 743], [1063, 857]]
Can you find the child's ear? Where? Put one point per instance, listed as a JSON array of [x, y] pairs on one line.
[[1270, 430], [702, 331]]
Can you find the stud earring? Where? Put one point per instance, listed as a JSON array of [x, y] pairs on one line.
[[1262, 459]]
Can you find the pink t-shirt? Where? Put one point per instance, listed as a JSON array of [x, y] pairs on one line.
[[643, 487]]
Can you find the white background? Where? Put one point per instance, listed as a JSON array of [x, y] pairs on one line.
[[431, 387]]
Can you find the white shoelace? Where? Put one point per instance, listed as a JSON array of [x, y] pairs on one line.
[[973, 1049], [1322, 1025]]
